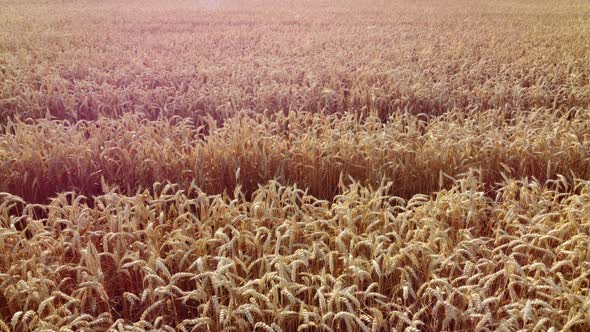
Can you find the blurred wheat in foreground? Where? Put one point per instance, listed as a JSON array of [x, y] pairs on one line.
[[284, 260]]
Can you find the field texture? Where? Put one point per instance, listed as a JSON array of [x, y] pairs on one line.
[[295, 165]]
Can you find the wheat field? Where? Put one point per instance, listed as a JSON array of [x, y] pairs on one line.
[[331, 165]]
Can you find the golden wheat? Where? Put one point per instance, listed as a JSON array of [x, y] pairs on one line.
[[215, 57], [515, 266], [226, 165]]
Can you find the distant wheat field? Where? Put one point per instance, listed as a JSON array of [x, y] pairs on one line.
[[215, 165]]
